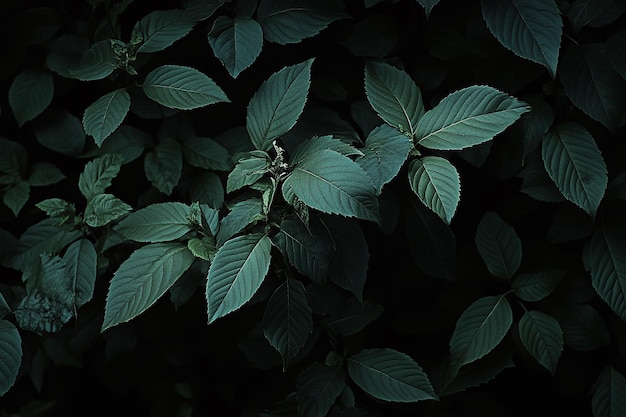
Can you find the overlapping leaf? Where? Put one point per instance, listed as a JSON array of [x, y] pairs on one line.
[[98, 175], [436, 182], [428, 5], [542, 337], [81, 260], [236, 42], [160, 29], [159, 222]]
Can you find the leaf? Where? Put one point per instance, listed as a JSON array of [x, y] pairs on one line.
[[160, 29], [81, 261], [183, 88], [333, 183], [390, 375], [142, 279], [13, 158], [103, 209], [106, 114], [437, 184], [542, 337], [498, 245], [44, 173], [288, 319], [318, 386], [533, 287], [394, 96], [206, 153], [10, 355], [531, 29], [98, 174], [584, 329], [353, 317], [158, 222], [164, 165], [468, 117], [30, 94], [61, 131], [575, 164], [128, 141], [247, 171], [16, 196], [384, 154], [242, 214], [198, 10], [319, 143], [236, 273], [96, 63], [277, 104], [583, 12], [237, 42], [607, 399], [202, 248], [479, 329], [207, 188], [616, 51], [428, 5]]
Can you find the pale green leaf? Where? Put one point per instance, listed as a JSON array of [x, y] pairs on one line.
[[159, 222], [206, 153], [276, 106], [353, 317], [160, 29], [97, 62], [81, 261], [608, 398], [237, 42], [575, 164], [390, 375], [142, 279], [542, 337], [242, 214], [61, 131], [428, 5], [394, 96], [498, 245], [10, 355], [202, 248], [16, 196], [183, 88], [531, 29], [468, 117], [236, 273], [30, 94], [164, 165], [102, 209], [533, 287], [437, 184], [98, 174], [104, 115]]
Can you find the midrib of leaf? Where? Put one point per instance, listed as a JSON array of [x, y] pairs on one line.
[[614, 263], [595, 88], [279, 105], [406, 115], [106, 113], [491, 312], [571, 162], [387, 375], [530, 30], [237, 277], [426, 171]]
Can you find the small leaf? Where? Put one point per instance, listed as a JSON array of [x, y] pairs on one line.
[[436, 182], [159, 222], [96, 63], [319, 143], [103, 209], [242, 214], [531, 29], [318, 386], [81, 261], [236, 42], [468, 117], [428, 5], [142, 279], [105, 115], [183, 88], [98, 174], [236, 273], [390, 375], [277, 104], [30, 94], [164, 165], [16, 196], [607, 399], [498, 245], [10, 355], [542, 337], [536, 286], [202, 248], [575, 164], [160, 29]]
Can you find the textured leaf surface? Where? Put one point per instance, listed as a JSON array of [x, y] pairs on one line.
[[30, 94], [576, 166], [319, 385], [206, 153], [96, 63], [142, 279], [241, 214], [236, 42], [542, 337], [498, 245], [536, 286], [161, 28], [608, 399], [531, 29], [437, 184], [98, 174], [81, 260], [103, 209], [159, 222], [390, 375], [105, 114], [10, 355]]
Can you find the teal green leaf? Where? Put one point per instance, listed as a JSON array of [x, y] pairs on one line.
[[164, 165], [353, 317], [531, 29], [384, 154], [394, 96], [10, 355], [202, 248], [498, 245], [16, 196], [81, 261], [247, 171], [542, 337], [575, 164], [30, 94], [236, 273], [142, 279], [98, 174], [158, 222], [333, 183], [160, 29], [44, 173], [318, 386], [288, 319], [102, 209], [479, 329], [533, 287], [276, 106], [584, 328], [206, 153], [105, 114], [607, 399], [428, 5], [180, 87], [390, 375], [96, 63], [437, 184], [242, 214], [61, 131], [468, 117], [237, 42], [13, 158], [320, 143]]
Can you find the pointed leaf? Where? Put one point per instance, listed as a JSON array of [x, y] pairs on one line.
[[159, 222], [160, 29], [13, 158], [584, 329], [428, 5], [353, 317], [103, 209], [319, 385], [608, 399], [248, 170], [575, 164], [61, 132], [163, 166], [498, 245], [16, 196], [96, 63], [276, 106], [206, 153], [142, 279], [468, 117], [390, 375], [98, 174], [30, 94], [81, 261], [236, 273], [536, 286], [105, 114], [10, 355], [242, 214], [436, 182], [236, 42], [542, 337]]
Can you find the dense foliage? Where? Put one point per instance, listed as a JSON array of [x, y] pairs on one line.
[[313, 208]]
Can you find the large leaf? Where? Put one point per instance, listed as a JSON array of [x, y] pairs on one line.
[[575, 164], [180, 87], [277, 104], [288, 320], [105, 114], [98, 174], [319, 385], [542, 337], [236, 42], [436, 182], [10, 355], [164, 165], [394, 96], [333, 183], [390, 375], [583, 12], [468, 117], [142, 279], [30, 94], [498, 245], [159, 222], [160, 29], [608, 399], [236, 273], [531, 29], [81, 261]]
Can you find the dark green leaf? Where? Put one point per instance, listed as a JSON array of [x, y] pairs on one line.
[[498, 245], [542, 337], [584, 328], [353, 317], [437, 184], [13, 158], [616, 51], [30, 94], [536, 286], [105, 114], [61, 131], [583, 12], [428, 5], [98, 174], [97, 62], [318, 386], [206, 153], [236, 42], [198, 10], [16, 196], [102, 209], [247, 171], [159, 222], [607, 399], [160, 29], [44, 173], [163, 166], [242, 214], [10, 355], [81, 261]]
